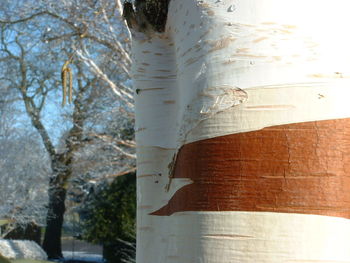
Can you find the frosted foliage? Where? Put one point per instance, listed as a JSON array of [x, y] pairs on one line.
[[23, 181], [100, 160], [47, 34], [18, 249], [104, 156], [109, 152]]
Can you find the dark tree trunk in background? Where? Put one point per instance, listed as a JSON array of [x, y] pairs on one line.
[[52, 240], [62, 171], [61, 167]]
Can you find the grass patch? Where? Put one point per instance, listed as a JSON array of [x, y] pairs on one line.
[[4, 222]]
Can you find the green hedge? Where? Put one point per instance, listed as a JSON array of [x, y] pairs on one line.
[[111, 218]]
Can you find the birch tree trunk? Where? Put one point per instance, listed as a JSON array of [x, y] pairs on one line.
[[243, 133]]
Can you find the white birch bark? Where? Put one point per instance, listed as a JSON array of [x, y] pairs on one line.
[[224, 67]]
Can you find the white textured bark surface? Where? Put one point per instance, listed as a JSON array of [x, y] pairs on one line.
[[224, 67], [237, 237]]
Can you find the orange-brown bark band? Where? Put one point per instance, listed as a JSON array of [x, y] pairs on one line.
[[294, 168]]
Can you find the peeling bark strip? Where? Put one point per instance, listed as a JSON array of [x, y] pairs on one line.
[[295, 168]]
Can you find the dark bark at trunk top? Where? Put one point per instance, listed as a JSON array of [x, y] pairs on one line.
[[148, 15], [52, 240]]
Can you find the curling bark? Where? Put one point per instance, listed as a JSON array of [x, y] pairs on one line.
[[242, 122]]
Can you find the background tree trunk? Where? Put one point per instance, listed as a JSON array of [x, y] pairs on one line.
[[52, 240], [62, 170], [242, 122]]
